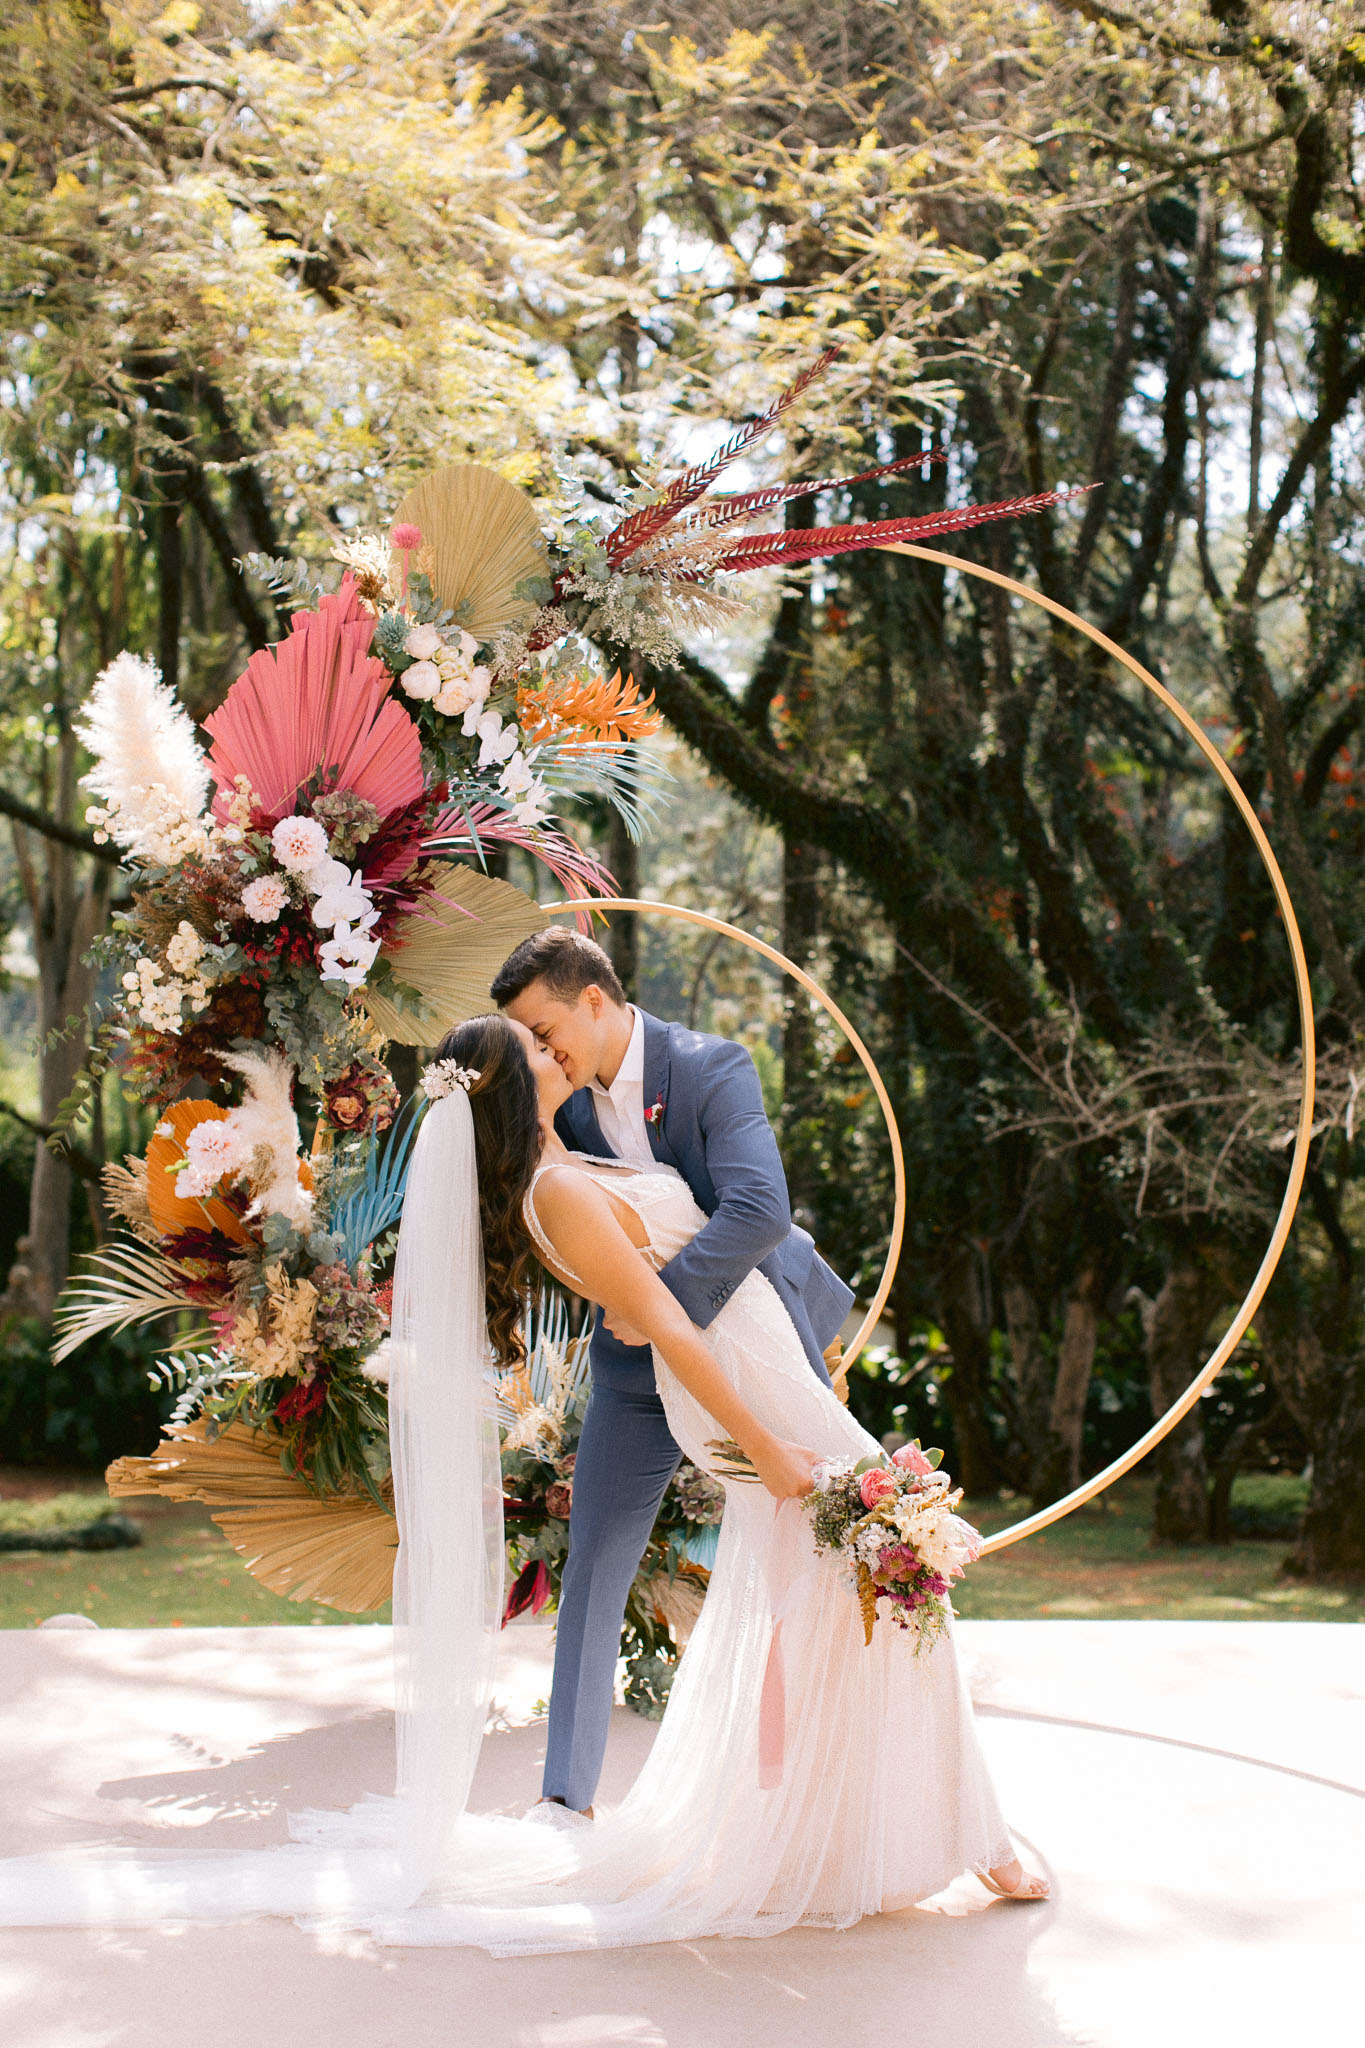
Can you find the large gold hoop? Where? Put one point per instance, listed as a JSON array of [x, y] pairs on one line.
[[1236, 1330], [605, 905]]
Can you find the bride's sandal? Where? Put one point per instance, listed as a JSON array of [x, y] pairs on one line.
[[1031, 1890]]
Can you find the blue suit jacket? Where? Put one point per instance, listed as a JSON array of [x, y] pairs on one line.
[[714, 1130]]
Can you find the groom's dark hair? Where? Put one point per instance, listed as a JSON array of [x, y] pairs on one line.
[[565, 961]]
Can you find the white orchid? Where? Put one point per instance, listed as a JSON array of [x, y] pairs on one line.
[[342, 901], [350, 953], [497, 742]]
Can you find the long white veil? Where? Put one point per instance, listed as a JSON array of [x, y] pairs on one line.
[[373, 1860]]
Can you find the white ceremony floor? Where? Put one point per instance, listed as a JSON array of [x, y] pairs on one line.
[[1196, 1791]]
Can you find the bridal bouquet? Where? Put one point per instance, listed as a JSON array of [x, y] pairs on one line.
[[895, 1527], [892, 1523]]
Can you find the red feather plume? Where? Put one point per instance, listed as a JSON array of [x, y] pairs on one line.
[[684, 490], [760, 550]]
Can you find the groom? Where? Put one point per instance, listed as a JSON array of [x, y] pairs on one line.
[[648, 1092]]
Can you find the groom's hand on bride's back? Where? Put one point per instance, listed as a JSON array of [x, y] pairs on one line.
[[622, 1331]]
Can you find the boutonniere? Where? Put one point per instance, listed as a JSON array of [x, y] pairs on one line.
[[654, 1115]]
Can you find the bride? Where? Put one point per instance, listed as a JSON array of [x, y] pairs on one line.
[[798, 1777]]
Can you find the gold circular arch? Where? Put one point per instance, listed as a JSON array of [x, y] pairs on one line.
[[1237, 1328]]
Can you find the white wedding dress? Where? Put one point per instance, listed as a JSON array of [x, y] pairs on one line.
[[879, 1795]]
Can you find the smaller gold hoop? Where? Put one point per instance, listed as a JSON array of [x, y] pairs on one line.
[[605, 905]]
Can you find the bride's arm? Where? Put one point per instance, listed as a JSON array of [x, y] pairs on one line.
[[582, 1227]]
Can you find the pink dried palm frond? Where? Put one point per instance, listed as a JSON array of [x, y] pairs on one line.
[[313, 714], [684, 490], [759, 550], [578, 872]]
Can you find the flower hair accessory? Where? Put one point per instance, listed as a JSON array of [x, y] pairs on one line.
[[442, 1077]]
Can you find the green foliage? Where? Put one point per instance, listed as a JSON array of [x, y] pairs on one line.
[[92, 1408]]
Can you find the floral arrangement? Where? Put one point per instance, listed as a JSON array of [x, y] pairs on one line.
[[895, 1529], [313, 885], [543, 1413], [892, 1524]]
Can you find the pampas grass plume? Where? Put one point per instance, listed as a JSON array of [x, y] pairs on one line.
[[149, 768], [269, 1129]]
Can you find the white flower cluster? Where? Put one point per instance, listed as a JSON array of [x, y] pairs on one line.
[[212, 1149], [443, 673], [340, 899], [629, 609], [443, 1077], [939, 1538], [154, 827], [500, 744], [159, 998]]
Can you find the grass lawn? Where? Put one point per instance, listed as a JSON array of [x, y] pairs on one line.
[[182, 1574], [1097, 1564]]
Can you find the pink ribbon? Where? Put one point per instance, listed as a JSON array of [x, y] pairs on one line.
[[772, 1701]]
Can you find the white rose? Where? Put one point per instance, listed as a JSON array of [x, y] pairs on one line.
[[299, 843], [422, 642], [423, 679], [264, 899]]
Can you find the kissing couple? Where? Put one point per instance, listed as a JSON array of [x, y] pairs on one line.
[[800, 1775]]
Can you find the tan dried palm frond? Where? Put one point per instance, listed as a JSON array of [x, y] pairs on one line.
[[449, 949], [125, 1190], [678, 1602], [129, 1282], [339, 1552], [484, 539]]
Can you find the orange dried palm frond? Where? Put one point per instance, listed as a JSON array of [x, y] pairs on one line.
[[598, 707]]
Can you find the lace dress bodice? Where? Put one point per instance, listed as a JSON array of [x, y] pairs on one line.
[[659, 1196]]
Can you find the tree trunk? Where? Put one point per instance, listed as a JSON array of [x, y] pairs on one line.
[[800, 1096], [1058, 1469], [625, 929], [1175, 1334], [66, 915], [1029, 1369], [1325, 1391], [965, 1316]]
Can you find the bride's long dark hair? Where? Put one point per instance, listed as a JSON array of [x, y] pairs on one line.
[[507, 1144]]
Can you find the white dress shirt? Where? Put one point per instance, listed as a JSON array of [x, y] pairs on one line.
[[621, 1108]]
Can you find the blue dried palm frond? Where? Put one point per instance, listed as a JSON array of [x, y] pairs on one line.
[[627, 775], [376, 1204], [699, 1545], [539, 1398]]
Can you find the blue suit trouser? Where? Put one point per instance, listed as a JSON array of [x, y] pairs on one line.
[[626, 1457]]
